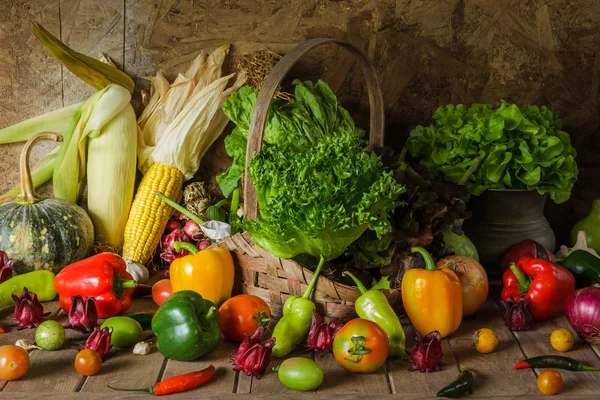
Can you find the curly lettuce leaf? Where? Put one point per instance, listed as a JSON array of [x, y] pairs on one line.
[[519, 148], [318, 187]]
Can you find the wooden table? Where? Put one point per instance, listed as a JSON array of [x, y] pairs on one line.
[[495, 376]]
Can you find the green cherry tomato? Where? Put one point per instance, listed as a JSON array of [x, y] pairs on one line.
[[300, 373], [126, 332], [50, 335]]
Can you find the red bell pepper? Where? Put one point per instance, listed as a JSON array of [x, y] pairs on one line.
[[103, 277], [545, 286]]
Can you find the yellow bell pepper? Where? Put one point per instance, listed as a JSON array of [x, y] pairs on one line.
[[208, 272], [432, 297]]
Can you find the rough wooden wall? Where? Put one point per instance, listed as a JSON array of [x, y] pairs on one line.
[[427, 53]]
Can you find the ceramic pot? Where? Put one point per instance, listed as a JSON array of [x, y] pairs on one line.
[[502, 218]]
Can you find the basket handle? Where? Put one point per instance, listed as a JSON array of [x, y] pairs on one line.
[[268, 89]]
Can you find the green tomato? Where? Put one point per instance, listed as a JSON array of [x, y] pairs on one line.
[[300, 373], [50, 335], [126, 332]]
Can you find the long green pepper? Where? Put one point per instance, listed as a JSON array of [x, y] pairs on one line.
[[293, 327], [372, 305], [38, 282]]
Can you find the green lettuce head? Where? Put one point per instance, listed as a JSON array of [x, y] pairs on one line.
[[318, 187], [518, 148]]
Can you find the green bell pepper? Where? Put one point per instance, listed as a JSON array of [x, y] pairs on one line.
[[372, 305], [293, 327], [584, 266], [186, 326]]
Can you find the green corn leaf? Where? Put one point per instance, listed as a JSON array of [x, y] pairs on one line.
[[94, 72], [54, 121]]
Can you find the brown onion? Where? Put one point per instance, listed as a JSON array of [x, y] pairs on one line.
[[475, 286]]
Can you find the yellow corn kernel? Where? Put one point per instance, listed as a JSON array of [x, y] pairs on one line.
[[149, 214]]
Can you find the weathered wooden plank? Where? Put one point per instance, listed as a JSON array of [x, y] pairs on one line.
[[494, 373], [126, 369], [30, 79], [414, 382], [225, 377], [205, 395], [91, 27], [537, 342], [339, 381], [49, 370]]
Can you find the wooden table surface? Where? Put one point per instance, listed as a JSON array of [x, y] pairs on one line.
[[52, 372]]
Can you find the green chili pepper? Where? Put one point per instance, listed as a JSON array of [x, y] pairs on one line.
[[39, 282], [374, 306], [559, 362], [293, 327], [460, 386], [143, 318]]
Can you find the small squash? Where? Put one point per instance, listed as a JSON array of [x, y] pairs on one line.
[[43, 233]]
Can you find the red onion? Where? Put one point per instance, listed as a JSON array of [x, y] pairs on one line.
[[583, 313], [525, 248], [173, 225], [193, 230]]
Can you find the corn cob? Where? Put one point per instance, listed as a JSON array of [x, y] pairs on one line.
[[149, 214]]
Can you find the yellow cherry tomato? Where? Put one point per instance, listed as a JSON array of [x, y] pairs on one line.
[[562, 339], [550, 382], [485, 340]]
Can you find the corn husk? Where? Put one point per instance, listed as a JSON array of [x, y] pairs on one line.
[[94, 114], [96, 73], [180, 124], [111, 168]]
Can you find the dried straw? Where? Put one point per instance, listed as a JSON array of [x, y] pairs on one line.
[[259, 64]]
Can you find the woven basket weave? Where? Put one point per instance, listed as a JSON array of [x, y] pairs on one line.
[[263, 274]]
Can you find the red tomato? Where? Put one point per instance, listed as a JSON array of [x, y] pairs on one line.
[[14, 362], [361, 346], [88, 362], [241, 315], [161, 291]]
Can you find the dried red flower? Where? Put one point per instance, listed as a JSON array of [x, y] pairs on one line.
[[6, 267], [29, 312], [517, 314], [320, 335], [98, 341], [426, 355], [83, 315], [253, 356]]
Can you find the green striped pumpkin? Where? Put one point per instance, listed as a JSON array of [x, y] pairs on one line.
[[43, 233]]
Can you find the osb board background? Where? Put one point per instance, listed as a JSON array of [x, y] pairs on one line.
[[427, 53]]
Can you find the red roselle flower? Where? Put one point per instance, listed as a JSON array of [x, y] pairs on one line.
[[29, 312], [83, 315], [253, 356], [99, 341], [320, 335], [6, 267], [426, 356], [517, 314]]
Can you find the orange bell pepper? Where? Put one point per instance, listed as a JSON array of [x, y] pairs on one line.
[[208, 272], [432, 297]]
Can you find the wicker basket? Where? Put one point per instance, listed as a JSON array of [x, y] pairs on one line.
[[263, 274]]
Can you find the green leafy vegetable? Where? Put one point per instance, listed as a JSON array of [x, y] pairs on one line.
[[519, 148], [318, 187]]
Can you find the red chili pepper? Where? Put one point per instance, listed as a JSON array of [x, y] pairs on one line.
[[545, 286], [177, 384], [103, 277], [1, 330]]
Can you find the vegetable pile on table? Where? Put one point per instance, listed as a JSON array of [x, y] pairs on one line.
[[375, 219]]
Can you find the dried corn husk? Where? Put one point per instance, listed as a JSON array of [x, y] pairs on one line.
[[180, 124]]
